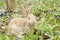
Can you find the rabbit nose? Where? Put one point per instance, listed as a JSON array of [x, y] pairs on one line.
[[34, 22]]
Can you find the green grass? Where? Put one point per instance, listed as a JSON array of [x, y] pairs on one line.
[[46, 11]]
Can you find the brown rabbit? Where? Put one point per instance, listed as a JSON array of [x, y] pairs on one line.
[[19, 26], [10, 5]]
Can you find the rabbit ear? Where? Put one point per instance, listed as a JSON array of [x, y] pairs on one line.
[[30, 10], [23, 10]]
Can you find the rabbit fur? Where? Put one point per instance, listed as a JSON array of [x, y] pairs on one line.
[[19, 26]]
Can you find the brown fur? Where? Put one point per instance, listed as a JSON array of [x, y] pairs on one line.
[[19, 26], [10, 5]]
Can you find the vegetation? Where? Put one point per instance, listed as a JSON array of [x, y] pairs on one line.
[[47, 13]]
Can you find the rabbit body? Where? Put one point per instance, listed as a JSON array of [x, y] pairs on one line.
[[19, 26]]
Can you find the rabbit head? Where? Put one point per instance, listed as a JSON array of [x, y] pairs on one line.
[[31, 19]]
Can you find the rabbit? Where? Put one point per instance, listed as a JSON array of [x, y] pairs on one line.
[[20, 26], [10, 5]]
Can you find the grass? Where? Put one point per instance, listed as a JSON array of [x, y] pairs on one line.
[[48, 14]]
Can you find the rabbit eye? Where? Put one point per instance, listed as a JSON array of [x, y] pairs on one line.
[[28, 18]]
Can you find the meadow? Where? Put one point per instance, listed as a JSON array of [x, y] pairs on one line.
[[47, 14]]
